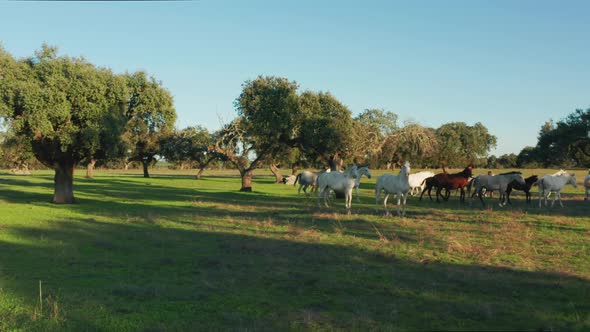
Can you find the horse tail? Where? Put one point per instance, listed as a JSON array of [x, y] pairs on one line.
[[469, 184], [297, 179]]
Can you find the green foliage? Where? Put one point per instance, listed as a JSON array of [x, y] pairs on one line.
[[151, 116], [461, 144], [187, 146], [413, 143], [270, 116], [67, 107], [569, 140], [370, 129], [15, 151], [328, 126], [507, 161]]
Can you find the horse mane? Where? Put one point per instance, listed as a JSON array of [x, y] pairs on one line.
[[510, 173]]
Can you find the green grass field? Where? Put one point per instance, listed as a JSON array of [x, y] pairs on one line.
[[174, 253]]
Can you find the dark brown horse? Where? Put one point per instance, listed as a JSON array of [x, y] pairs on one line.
[[430, 183], [526, 188], [453, 181]]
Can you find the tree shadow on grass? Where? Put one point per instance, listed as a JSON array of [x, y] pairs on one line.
[[112, 276]]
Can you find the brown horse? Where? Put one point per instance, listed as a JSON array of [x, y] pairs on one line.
[[452, 182], [430, 183]]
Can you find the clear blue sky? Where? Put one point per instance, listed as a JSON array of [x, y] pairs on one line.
[[510, 64]]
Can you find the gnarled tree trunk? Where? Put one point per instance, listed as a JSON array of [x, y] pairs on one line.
[[146, 163], [247, 180], [64, 183], [335, 163], [90, 169], [277, 172], [200, 172]]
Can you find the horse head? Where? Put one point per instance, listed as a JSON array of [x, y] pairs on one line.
[[352, 172], [406, 169], [468, 171], [572, 180], [364, 170]]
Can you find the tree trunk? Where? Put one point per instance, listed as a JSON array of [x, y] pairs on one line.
[[64, 183], [247, 180], [277, 172], [145, 163], [200, 173], [127, 166], [335, 163], [90, 169]]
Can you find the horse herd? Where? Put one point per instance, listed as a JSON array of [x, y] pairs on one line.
[[404, 184]]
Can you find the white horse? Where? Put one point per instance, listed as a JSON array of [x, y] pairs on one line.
[[558, 173], [394, 184], [338, 182], [497, 183], [549, 183], [360, 171], [417, 181], [306, 179], [587, 185]]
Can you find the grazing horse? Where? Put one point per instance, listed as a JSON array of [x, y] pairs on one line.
[[338, 182], [549, 183], [586, 186], [451, 182], [307, 179], [526, 188], [417, 181], [394, 184], [496, 183]]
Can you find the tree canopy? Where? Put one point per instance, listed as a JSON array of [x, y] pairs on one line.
[[65, 105], [150, 117], [327, 128], [563, 144]]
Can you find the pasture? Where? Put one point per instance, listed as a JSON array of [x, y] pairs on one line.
[[173, 253]]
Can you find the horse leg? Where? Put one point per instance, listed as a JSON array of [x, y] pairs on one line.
[[385, 203], [348, 200], [404, 205], [423, 191], [438, 190], [447, 194], [377, 195], [399, 197], [555, 197], [358, 197], [480, 194], [558, 194]]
